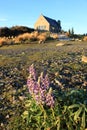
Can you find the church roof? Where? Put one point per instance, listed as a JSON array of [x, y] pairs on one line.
[[52, 22]]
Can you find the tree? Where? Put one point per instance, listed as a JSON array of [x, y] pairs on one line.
[[69, 32], [72, 31]]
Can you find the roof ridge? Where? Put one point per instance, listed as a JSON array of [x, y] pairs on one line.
[[49, 18]]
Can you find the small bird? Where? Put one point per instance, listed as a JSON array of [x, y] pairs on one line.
[[84, 59]]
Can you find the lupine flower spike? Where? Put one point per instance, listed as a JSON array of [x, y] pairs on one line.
[[39, 88]]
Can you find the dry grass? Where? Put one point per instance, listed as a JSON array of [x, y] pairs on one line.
[[26, 36], [35, 34], [22, 37], [42, 37], [85, 38], [54, 36], [4, 41], [84, 59]]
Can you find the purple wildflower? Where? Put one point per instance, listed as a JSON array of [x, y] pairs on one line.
[[49, 98], [32, 72], [32, 86], [39, 89], [44, 81], [43, 95]]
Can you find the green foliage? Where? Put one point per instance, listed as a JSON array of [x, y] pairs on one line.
[[39, 117], [69, 112], [78, 115]]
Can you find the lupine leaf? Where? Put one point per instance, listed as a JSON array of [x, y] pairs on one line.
[[86, 109], [69, 125], [58, 123], [77, 113], [83, 120], [73, 106]]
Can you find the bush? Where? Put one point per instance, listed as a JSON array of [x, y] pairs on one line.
[[17, 30], [3, 41], [14, 31], [4, 32], [85, 38], [42, 37]]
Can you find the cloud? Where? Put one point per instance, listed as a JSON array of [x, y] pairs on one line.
[[3, 19]]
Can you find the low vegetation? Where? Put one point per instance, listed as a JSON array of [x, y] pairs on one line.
[[85, 38], [58, 77], [35, 36]]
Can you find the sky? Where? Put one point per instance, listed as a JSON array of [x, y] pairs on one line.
[[71, 13]]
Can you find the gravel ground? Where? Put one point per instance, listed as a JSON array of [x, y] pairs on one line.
[[62, 63]]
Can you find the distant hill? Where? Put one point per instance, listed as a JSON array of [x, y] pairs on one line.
[[14, 31]]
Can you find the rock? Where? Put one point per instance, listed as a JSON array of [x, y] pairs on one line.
[[2, 84], [60, 44]]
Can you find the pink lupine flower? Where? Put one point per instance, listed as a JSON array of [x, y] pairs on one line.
[[39, 89], [32, 71], [31, 84], [49, 98], [43, 95], [44, 81]]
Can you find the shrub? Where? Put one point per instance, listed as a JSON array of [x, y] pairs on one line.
[[26, 37], [85, 38], [54, 36], [3, 41], [18, 30], [42, 37], [4, 32]]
